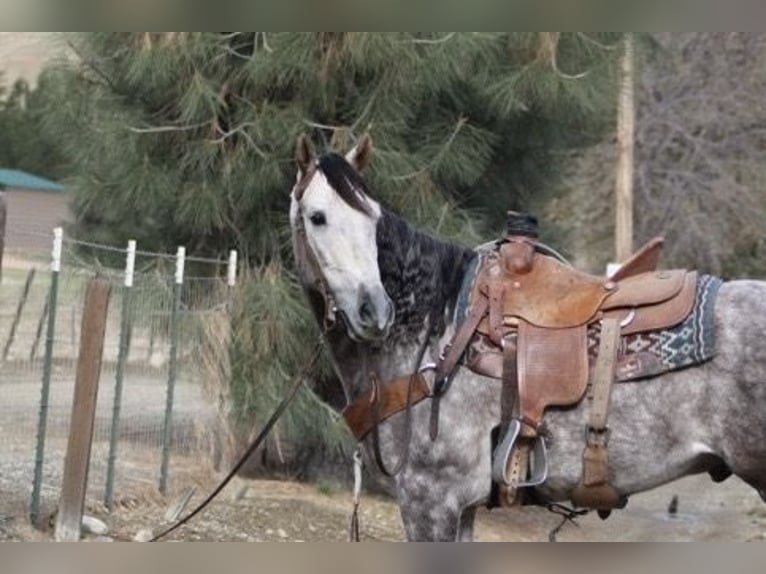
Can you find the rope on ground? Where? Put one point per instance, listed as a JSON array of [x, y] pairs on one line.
[[567, 515]]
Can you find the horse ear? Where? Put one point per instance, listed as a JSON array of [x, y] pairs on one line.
[[304, 153], [360, 155]]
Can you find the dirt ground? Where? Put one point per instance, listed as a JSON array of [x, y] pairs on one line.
[[266, 510]]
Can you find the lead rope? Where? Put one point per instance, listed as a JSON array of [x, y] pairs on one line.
[[297, 382], [353, 533], [404, 456], [568, 515], [375, 399]]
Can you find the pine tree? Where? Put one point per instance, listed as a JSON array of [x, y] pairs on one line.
[[187, 138], [24, 143]]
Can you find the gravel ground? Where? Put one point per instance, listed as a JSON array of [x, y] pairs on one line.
[[267, 510]]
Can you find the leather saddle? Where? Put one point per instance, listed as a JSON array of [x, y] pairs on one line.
[[543, 307], [536, 325]]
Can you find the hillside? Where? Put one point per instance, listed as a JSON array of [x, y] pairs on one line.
[[24, 54]]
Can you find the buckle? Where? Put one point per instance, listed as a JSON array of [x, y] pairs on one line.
[[597, 437], [427, 367]]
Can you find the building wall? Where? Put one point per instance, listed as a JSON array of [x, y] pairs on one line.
[[32, 215]]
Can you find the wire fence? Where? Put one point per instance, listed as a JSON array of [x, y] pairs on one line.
[[155, 414]]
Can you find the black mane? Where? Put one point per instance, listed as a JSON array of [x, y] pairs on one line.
[[422, 275], [345, 180]]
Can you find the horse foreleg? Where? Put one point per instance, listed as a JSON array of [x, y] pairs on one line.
[[465, 533]]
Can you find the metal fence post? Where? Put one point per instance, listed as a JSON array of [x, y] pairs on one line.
[[42, 421], [122, 357], [218, 436], [172, 368]]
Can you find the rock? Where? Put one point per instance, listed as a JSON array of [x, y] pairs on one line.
[[281, 533], [143, 535], [94, 526], [103, 539]]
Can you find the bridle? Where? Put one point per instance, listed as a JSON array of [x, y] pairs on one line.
[[303, 250]]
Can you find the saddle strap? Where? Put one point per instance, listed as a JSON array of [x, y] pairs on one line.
[[455, 348], [595, 490], [449, 358]]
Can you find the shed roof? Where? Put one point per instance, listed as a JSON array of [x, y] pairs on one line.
[[18, 178]]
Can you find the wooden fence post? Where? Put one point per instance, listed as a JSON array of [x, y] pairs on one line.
[[75, 480]]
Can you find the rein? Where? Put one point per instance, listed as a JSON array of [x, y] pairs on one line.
[[376, 404], [297, 382]]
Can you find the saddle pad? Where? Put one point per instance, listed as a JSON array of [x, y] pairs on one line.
[[689, 343]]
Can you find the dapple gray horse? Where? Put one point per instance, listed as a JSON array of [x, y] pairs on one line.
[[393, 285]]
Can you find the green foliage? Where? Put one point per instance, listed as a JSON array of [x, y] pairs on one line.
[[266, 352], [24, 143], [191, 134]]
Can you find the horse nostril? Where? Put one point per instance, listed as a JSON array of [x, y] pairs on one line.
[[366, 312]]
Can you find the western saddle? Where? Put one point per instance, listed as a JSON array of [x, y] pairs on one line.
[[538, 311], [527, 324]]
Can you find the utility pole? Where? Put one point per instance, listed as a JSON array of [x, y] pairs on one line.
[[626, 120], [3, 219]]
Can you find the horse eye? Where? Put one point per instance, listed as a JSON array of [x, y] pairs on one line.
[[318, 218]]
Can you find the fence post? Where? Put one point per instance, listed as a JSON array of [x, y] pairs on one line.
[[231, 281], [42, 421], [75, 480], [122, 358], [39, 331], [19, 311], [167, 434], [231, 275]]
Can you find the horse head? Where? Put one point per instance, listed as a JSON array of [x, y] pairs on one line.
[[334, 223]]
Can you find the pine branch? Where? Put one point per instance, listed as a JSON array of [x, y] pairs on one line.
[[598, 44], [164, 129], [435, 160], [441, 40], [241, 130]]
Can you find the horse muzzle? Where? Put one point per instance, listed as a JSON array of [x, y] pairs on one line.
[[375, 315]]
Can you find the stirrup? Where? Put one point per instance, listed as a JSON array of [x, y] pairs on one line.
[[539, 471], [503, 452]]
